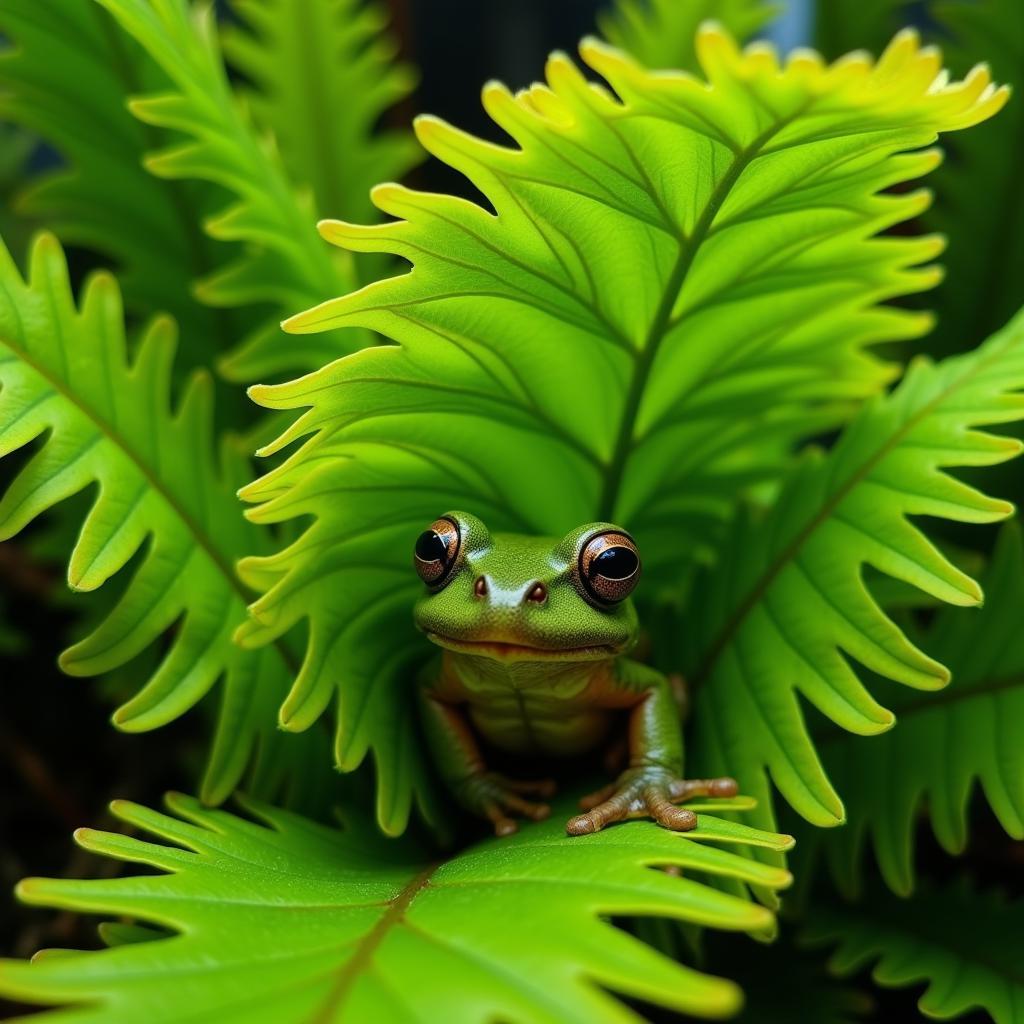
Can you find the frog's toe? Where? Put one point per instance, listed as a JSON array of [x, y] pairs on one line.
[[686, 789]]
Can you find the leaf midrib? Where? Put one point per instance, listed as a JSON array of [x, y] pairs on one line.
[[645, 357], [767, 578], [368, 945]]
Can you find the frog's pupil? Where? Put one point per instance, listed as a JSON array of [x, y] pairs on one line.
[[615, 564], [430, 547]]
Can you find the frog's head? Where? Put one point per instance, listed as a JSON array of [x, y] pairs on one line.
[[512, 597]]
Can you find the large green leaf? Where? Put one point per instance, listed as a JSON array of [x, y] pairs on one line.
[[66, 78], [101, 418], [661, 33], [284, 921], [285, 265], [676, 281], [324, 74], [967, 946], [786, 612], [945, 741]]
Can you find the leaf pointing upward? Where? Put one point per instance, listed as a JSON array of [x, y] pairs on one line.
[[675, 281]]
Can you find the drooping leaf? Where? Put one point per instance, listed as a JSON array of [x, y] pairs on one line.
[[786, 612], [66, 78], [324, 73], [944, 741], [101, 419], [286, 265], [982, 212], [284, 920], [661, 33], [674, 283], [968, 946]]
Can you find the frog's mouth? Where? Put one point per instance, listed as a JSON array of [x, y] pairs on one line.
[[502, 650]]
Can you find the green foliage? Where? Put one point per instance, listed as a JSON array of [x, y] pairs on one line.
[[662, 33], [967, 945], [284, 262], [982, 211], [106, 419], [707, 316], [282, 920], [786, 610], [66, 79], [844, 25], [946, 740], [308, 59]]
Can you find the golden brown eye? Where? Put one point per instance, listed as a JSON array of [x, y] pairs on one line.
[[609, 567], [437, 551]]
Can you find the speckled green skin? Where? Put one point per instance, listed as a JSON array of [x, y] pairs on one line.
[[542, 678]]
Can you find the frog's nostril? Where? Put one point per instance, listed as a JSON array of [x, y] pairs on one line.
[[537, 594], [480, 587]]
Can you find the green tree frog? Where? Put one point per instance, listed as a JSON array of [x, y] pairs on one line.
[[533, 634]]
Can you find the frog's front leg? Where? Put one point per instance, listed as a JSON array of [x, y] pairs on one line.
[[651, 784], [460, 763]]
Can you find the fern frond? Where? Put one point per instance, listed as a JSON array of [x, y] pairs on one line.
[[324, 73], [102, 419], [675, 278], [286, 265], [945, 741], [968, 946], [786, 612], [65, 78], [281, 920], [661, 33]]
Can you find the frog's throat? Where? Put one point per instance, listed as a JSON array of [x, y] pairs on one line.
[[501, 650]]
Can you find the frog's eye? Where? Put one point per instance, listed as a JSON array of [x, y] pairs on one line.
[[609, 567], [437, 551]]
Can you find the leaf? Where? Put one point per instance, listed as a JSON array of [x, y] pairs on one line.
[[99, 418], [982, 211], [661, 33], [674, 283], [66, 79], [285, 920], [324, 73], [786, 611], [286, 265], [968, 946], [944, 741]]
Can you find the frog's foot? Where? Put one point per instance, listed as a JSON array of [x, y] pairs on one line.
[[646, 793], [499, 798]]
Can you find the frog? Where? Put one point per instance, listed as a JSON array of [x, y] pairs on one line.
[[533, 634]]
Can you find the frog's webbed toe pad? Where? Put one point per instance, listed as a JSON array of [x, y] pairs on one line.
[[501, 800], [646, 793]]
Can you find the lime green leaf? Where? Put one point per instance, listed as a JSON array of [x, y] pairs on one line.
[[673, 280], [945, 741], [968, 946], [286, 264], [66, 78], [101, 419], [284, 920], [786, 611], [661, 33], [982, 212], [325, 72]]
